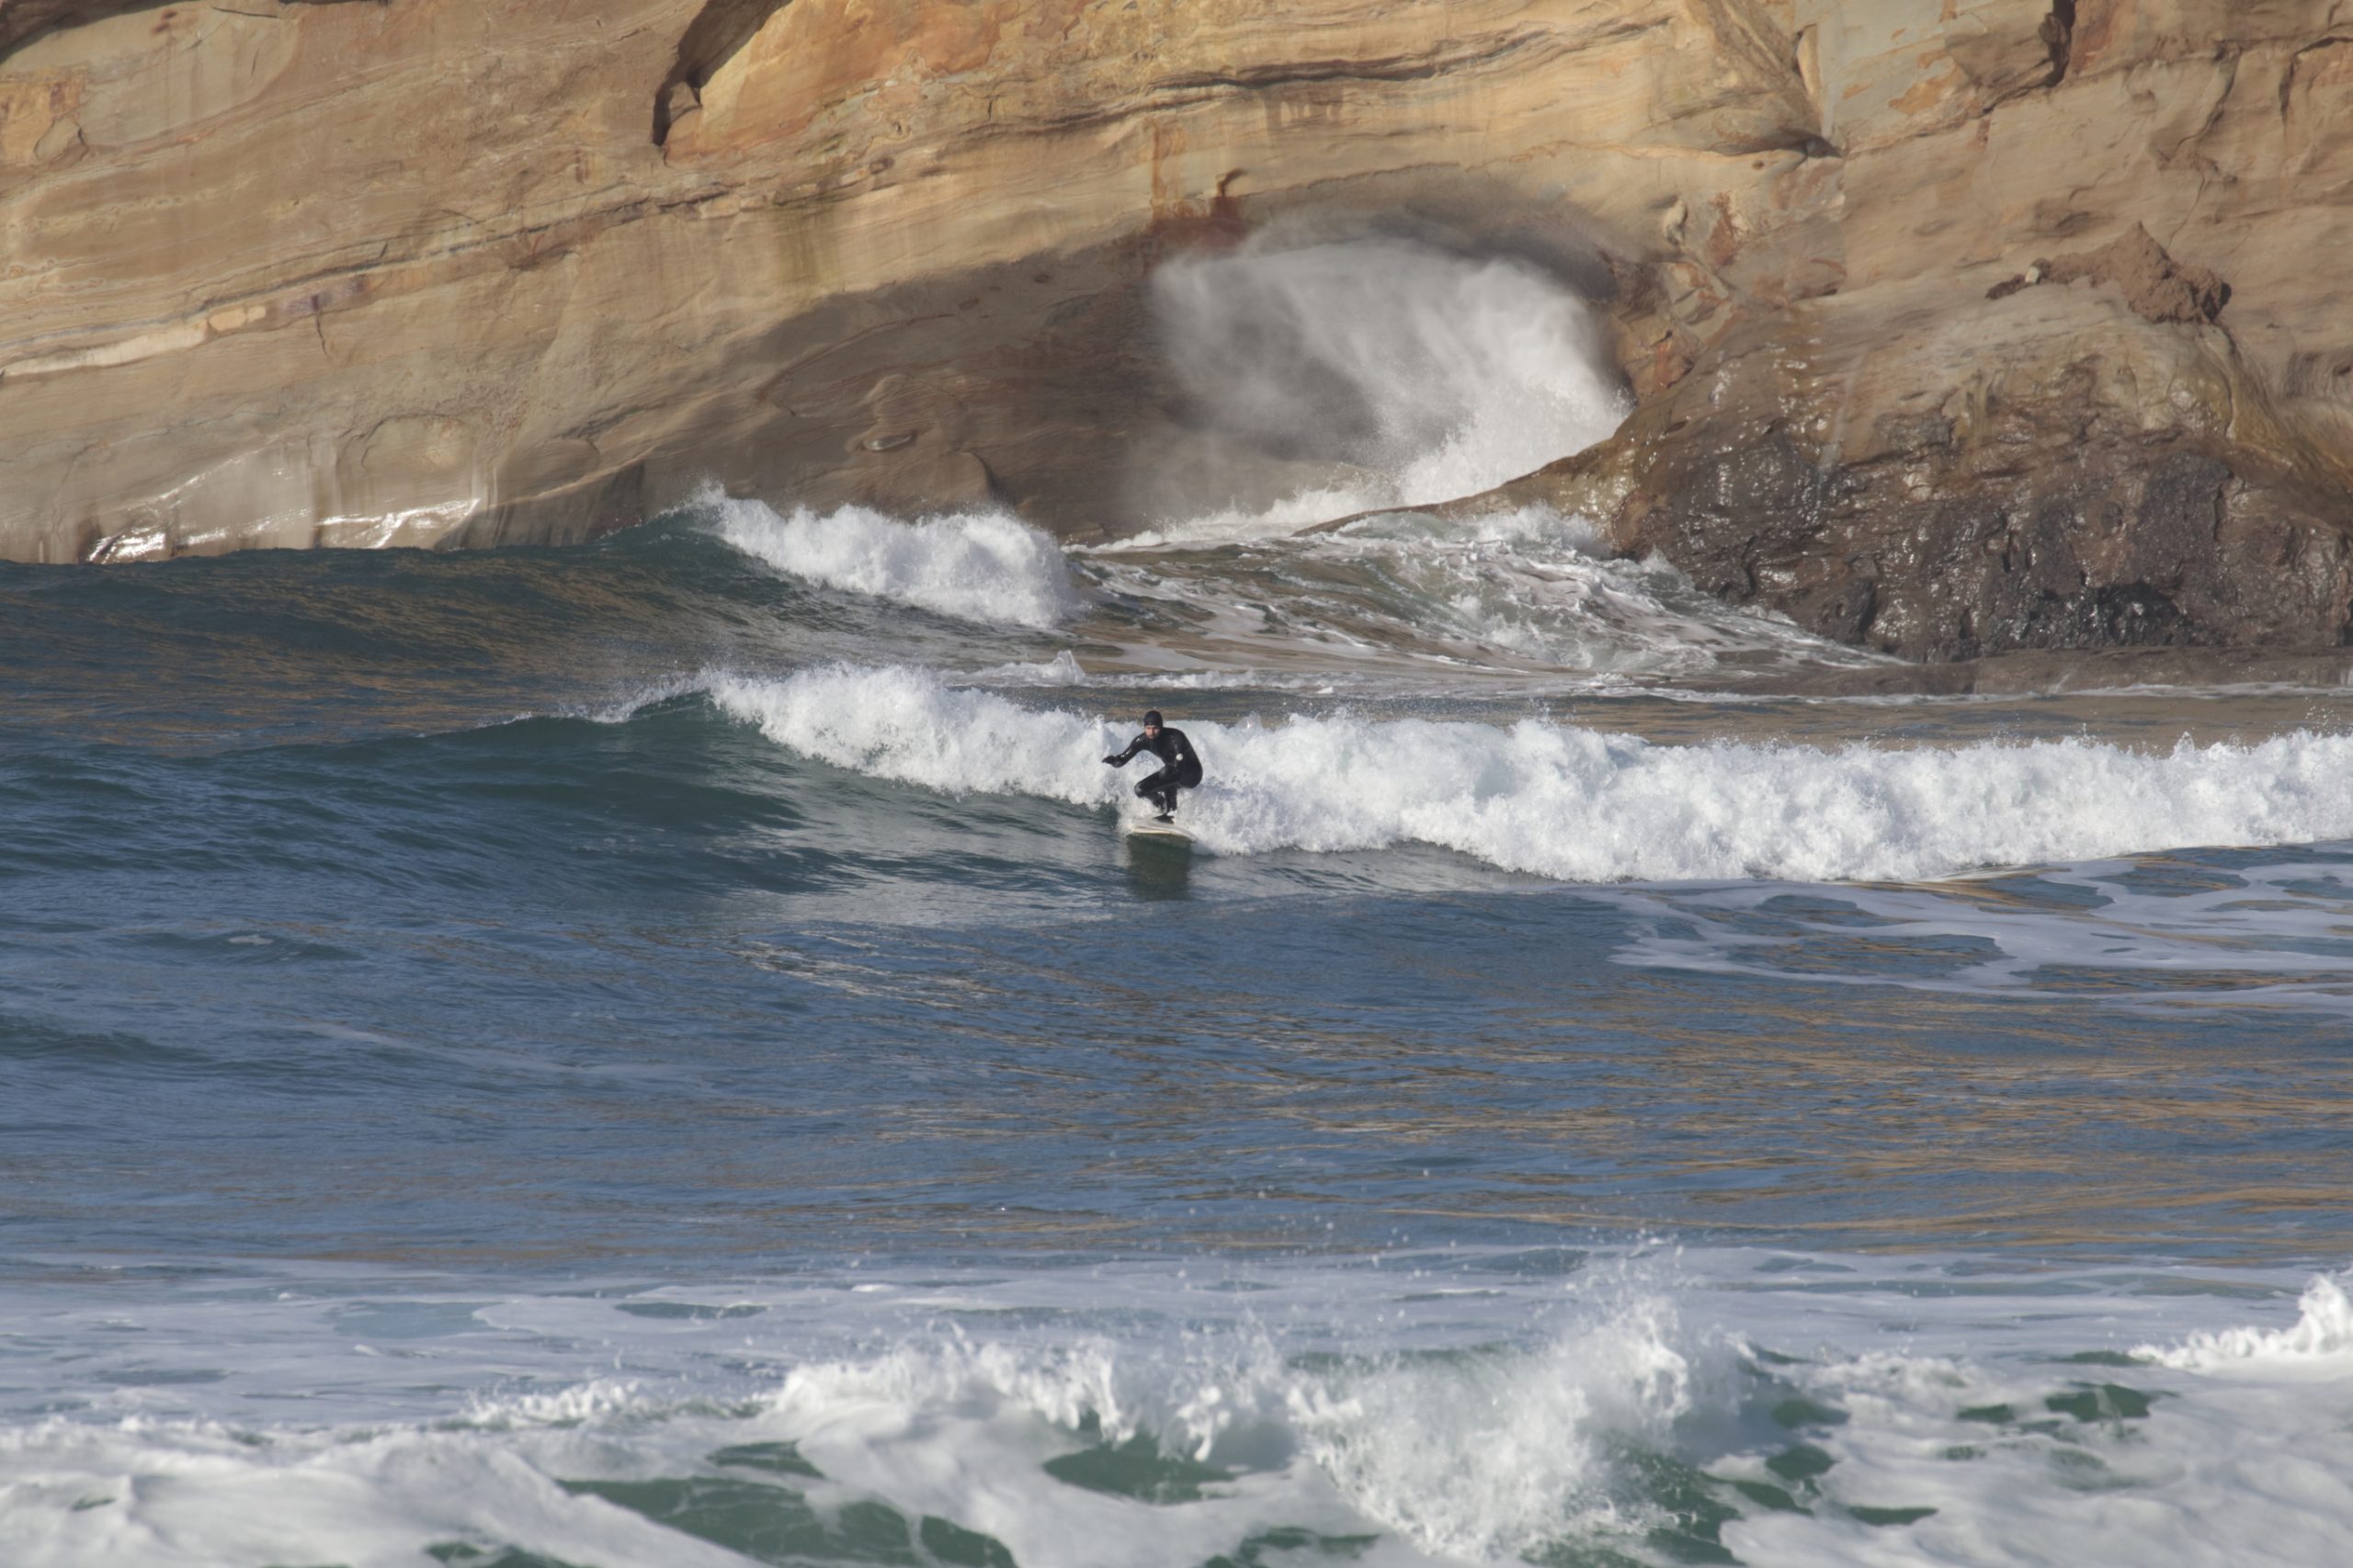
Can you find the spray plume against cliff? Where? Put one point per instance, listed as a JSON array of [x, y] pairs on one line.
[[1423, 375], [666, 1040], [907, 256]]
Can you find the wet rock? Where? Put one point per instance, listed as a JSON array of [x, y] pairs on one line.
[[2019, 421], [2050, 504]]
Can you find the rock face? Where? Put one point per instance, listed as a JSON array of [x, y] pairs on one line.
[[1954, 326], [485, 270], [2014, 419]]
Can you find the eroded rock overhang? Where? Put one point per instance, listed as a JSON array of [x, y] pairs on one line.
[[431, 272]]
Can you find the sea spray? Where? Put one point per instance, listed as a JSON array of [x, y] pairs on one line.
[[1494, 1454], [1436, 374], [1432, 375], [1582, 805]]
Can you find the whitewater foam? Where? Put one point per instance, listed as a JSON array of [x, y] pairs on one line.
[[1581, 806], [1064, 670], [1490, 1456], [1441, 375], [2321, 1339], [1629, 1410], [2145, 1457], [1436, 375], [1524, 591], [984, 567]]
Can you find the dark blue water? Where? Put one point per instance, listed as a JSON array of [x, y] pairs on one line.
[[429, 918]]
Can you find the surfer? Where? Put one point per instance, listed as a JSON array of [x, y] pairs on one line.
[[1180, 766]]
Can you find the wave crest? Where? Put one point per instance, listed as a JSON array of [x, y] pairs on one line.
[[2323, 1332], [1580, 805], [975, 566]]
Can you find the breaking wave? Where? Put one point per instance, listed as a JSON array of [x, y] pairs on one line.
[[1470, 1455], [1525, 589], [1577, 804], [1000, 1447], [2323, 1332], [1592, 1409], [975, 566]]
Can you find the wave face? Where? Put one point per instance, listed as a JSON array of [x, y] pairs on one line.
[[1582, 805], [982, 567]]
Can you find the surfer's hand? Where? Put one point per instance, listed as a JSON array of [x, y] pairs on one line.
[[1110, 762]]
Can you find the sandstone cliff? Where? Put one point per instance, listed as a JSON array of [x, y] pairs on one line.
[[1955, 326], [2083, 376]]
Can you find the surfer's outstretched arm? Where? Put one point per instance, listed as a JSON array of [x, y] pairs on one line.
[[1121, 759]]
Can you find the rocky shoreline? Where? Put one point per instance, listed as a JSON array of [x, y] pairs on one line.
[[1952, 329]]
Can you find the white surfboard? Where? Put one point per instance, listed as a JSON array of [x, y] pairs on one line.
[[1153, 827]]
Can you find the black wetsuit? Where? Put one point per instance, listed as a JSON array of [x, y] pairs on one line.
[[1180, 766]]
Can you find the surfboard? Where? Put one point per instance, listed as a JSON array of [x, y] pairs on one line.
[[1151, 827]]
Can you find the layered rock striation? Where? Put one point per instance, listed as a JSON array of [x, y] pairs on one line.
[[1951, 326]]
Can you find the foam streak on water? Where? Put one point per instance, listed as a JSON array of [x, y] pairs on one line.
[[2094, 931], [1580, 805]]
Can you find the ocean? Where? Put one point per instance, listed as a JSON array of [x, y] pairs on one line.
[[662, 1052]]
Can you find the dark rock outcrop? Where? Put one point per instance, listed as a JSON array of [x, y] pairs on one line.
[[2043, 510]]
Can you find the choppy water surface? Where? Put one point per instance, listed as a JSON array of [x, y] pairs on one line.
[[663, 1054]]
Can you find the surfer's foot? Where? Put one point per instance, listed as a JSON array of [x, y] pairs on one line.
[[1166, 816]]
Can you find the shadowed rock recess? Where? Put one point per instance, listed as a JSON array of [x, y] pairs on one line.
[[1953, 326]]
